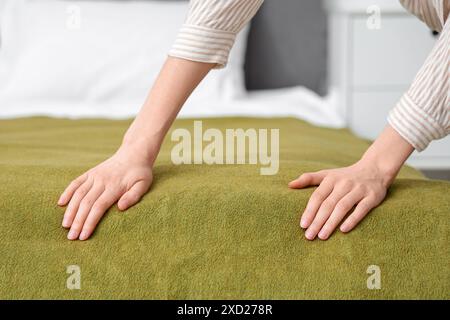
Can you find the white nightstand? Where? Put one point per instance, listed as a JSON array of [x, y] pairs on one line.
[[371, 65]]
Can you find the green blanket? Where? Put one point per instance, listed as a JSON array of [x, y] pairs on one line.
[[211, 231]]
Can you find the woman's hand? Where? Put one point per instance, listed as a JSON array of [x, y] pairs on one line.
[[361, 186], [127, 176], [123, 178]]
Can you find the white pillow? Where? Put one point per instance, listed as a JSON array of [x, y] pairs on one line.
[[84, 59]]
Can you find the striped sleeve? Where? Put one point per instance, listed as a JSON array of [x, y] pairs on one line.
[[210, 29], [429, 11], [423, 112]]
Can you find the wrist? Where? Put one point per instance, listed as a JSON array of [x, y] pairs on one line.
[[381, 168], [144, 149], [387, 155]]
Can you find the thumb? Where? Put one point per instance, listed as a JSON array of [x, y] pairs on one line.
[[307, 179], [133, 195]]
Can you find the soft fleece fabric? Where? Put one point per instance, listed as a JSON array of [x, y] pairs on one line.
[[220, 231]]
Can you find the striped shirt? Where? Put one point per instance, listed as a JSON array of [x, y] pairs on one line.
[[421, 115], [210, 29]]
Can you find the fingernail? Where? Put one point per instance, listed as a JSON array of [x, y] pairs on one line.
[[303, 224], [309, 235], [72, 235], [322, 235], [344, 228], [83, 235]]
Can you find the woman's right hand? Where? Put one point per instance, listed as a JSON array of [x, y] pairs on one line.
[[127, 175], [124, 178]]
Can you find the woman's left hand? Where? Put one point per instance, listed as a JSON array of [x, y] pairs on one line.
[[361, 186]]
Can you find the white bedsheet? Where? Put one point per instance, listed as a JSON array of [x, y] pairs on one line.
[[297, 102], [104, 68]]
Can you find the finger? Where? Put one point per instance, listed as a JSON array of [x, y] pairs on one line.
[[74, 203], [83, 210], [132, 196], [103, 203], [318, 196], [361, 210], [325, 210], [340, 210], [308, 179], [70, 190]]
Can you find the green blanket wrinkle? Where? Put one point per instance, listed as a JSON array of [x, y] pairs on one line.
[[210, 231]]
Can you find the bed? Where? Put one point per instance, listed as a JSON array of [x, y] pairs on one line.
[[211, 231], [69, 85]]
